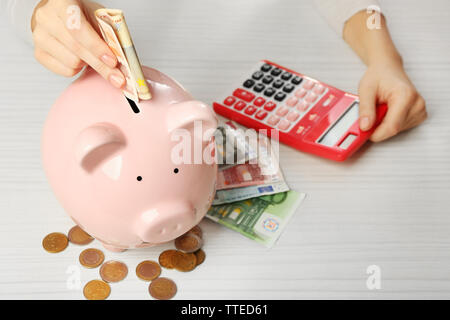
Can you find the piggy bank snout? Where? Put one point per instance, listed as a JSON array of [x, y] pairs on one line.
[[166, 222]]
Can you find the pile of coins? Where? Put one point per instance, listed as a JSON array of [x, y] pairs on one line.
[[188, 254], [186, 258]]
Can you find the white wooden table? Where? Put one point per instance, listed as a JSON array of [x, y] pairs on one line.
[[388, 206]]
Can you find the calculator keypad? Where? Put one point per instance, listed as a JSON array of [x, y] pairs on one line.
[[276, 97]]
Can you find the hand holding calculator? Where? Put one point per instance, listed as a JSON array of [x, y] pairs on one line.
[[309, 115]]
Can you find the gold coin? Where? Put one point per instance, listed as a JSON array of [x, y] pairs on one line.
[[96, 290], [79, 236], [200, 255], [55, 242], [185, 261], [166, 259], [91, 258], [188, 243], [148, 270], [197, 231], [113, 271], [162, 289]]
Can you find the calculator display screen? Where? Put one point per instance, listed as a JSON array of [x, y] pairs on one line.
[[340, 127]]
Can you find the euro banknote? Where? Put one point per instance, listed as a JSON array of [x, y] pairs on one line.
[[261, 219], [116, 34]]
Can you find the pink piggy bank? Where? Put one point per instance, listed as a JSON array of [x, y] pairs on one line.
[[111, 164]]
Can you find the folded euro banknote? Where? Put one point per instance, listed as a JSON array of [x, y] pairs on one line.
[[115, 32], [261, 219]]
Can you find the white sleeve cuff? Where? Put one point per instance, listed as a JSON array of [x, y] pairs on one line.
[[19, 13]]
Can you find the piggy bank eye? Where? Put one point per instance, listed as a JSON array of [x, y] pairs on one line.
[[175, 170], [139, 178]]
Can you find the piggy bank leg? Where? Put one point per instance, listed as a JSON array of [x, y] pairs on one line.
[[112, 248]]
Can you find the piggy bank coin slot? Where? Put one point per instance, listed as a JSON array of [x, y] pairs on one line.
[[133, 105]]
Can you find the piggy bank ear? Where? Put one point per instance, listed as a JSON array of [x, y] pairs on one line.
[[184, 115], [97, 143]]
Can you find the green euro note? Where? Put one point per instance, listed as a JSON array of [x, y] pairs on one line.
[[261, 219]]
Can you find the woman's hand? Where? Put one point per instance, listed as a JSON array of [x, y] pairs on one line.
[[387, 82], [65, 40]]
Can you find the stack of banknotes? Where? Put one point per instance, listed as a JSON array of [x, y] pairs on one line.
[[252, 195]]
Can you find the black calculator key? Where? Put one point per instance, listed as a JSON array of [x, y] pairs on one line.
[[280, 96], [257, 75], [296, 80], [286, 76], [266, 67], [288, 88], [267, 79], [259, 87], [276, 72], [278, 84], [269, 92], [249, 83]]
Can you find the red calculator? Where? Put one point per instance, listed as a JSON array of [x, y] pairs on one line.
[[309, 115]]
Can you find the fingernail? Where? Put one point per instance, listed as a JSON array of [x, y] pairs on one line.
[[364, 123], [109, 60], [116, 80]]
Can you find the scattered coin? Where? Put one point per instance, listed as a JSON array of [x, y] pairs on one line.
[[162, 289], [185, 261], [166, 259], [148, 270], [55, 242], [113, 271], [79, 236], [188, 242], [96, 290], [91, 258], [200, 255], [197, 231]]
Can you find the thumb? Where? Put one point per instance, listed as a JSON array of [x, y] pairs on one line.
[[367, 106]]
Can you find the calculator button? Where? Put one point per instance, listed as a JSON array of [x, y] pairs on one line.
[[288, 88], [300, 93], [284, 124], [286, 76], [249, 83], [328, 101], [308, 85], [282, 111], [278, 84], [276, 72], [261, 114], [259, 87], [257, 75], [250, 110], [273, 120], [267, 79], [240, 105], [269, 92], [292, 101], [292, 116], [259, 101], [270, 106], [280, 96], [243, 94], [266, 67], [229, 101], [311, 97], [303, 106], [296, 80], [319, 89], [300, 130]]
